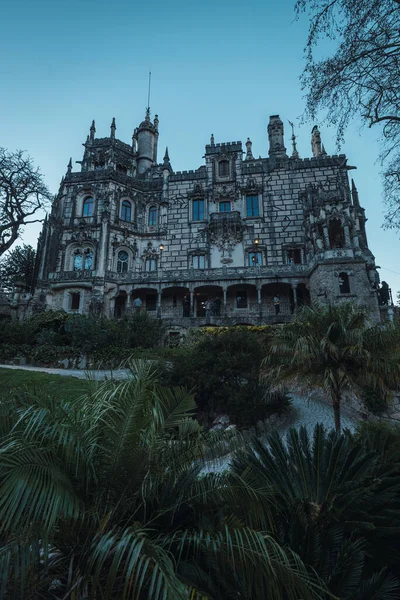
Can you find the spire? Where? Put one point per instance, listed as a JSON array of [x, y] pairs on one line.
[[354, 194], [295, 154], [316, 146], [212, 140], [249, 154], [92, 131], [134, 141], [69, 167], [147, 117], [275, 136], [156, 122], [166, 161], [323, 151], [113, 128]]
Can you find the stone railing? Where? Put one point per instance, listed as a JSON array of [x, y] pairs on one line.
[[72, 275], [253, 312]]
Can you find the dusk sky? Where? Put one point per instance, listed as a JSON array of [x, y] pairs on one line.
[[217, 67]]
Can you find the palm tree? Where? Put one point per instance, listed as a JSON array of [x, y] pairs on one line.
[[334, 348], [334, 500], [102, 498]]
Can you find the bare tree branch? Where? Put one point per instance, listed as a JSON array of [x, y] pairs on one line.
[[22, 193]]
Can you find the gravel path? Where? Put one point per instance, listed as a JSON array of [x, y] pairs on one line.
[[98, 375]]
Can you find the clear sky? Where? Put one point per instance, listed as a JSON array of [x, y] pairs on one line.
[[218, 66]]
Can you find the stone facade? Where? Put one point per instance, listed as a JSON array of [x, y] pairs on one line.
[[217, 244]]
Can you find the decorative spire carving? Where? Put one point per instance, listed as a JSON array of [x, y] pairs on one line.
[[354, 194], [156, 122], [316, 145], [275, 136], [69, 167], [92, 131], [249, 153], [113, 128], [147, 117], [212, 140], [295, 153]]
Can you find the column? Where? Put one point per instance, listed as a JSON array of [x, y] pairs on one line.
[[347, 242], [191, 292], [101, 258], [159, 294], [259, 302], [294, 289], [326, 237], [224, 291]]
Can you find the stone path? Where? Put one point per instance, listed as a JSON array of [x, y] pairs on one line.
[[305, 412], [98, 375]]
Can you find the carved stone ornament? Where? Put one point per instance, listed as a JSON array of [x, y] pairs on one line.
[[223, 192], [225, 231]]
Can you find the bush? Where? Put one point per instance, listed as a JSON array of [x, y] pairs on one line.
[[140, 330], [375, 400], [223, 368]]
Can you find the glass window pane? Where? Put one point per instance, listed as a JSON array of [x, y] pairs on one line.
[[78, 262], [153, 216], [225, 206], [198, 210], [252, 206], [89, 259], [88, 206], [126, 211]]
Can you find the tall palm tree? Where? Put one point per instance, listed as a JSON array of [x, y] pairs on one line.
[[334, 500], [102, 497], [336, 349]]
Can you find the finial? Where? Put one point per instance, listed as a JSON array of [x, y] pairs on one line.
[[323, 151], [87, 139], [212, 140], [134, 141], [166, 155], [316, 141], [113, 128], [69, 167], [147, 118], [249, 153], [295, 154], [156, 122], [92, 131], [354, 194]]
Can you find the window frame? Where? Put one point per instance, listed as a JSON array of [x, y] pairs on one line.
[[287, 256], [198, 209], [256, 205], [224, 168], [126, 205], [225, 202], [87, 203], [123, 263], [345, 283], [73, 296], [201, 258], [252, 253], [153, 211], [244, 295], [150, 260]]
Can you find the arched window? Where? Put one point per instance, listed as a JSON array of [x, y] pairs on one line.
[[75, 300], [150, 265], [152, 216], [336, 234], [126, 211], [122, 262], [88, 207], [344, 283], [78, 260], [223, 168], [89, 258]]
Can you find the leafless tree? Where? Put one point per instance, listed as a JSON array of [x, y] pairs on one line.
[[22, 194], [361, 77]]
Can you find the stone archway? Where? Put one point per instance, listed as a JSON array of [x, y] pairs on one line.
[[208, 301]]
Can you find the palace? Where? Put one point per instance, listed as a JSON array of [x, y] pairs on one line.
[[238, 240]]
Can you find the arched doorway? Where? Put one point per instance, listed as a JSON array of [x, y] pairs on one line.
[[120, 304], [208, 301], [175, 302]]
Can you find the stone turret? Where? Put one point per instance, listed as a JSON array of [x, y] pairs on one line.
[[113, 128], [249, 153], [147, 138], [316, 144], [92, 131], [275, 136]]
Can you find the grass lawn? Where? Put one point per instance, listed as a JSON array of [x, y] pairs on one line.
[[57, 386]]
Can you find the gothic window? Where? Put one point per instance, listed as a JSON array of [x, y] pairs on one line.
[[225, 206], [255, 258], [199, 261], [198, 210], [252, 206], [153, 216], [122, 262], [126, 211], [150, 265], [344, 283], [122, 169], [336, 234], [88, 259], [223, 168], [293, 256], [75, 300], [241, 299], [88, 207], [78, 260]]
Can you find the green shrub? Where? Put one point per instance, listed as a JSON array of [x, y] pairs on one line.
[[140, 330], [375, 400]]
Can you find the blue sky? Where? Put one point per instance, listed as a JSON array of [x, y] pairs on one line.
[[217, 67]]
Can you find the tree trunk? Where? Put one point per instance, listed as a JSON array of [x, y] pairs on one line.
[[336, 411]]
